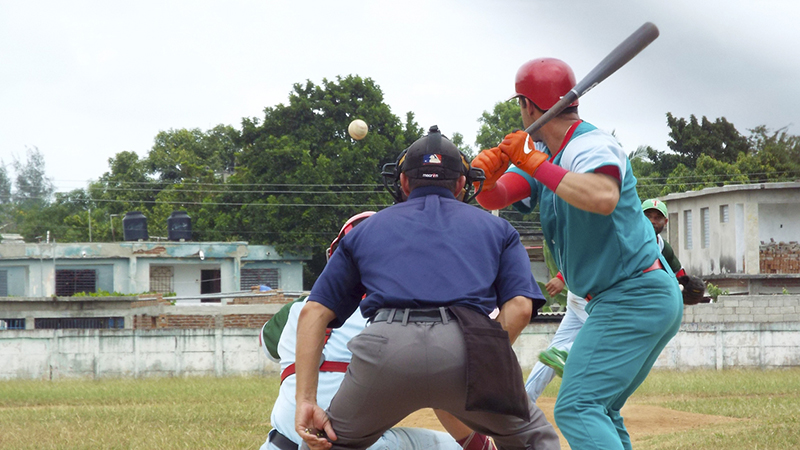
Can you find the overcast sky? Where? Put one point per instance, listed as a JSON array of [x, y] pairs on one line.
[[84, 80]]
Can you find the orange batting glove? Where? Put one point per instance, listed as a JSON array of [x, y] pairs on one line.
[[494, 164], [514, 146]]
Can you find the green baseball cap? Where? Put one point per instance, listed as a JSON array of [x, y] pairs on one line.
[[653, 203]]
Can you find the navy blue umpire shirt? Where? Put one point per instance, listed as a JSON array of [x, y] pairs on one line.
[[429, 251]]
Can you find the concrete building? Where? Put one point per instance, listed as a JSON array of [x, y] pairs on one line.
[[743, 238], [185, 269]]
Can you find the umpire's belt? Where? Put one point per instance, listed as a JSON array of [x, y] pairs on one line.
[[405, 315]]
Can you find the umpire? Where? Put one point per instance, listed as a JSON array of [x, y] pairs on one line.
[[430, 270]]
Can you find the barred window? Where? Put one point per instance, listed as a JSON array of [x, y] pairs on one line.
[[3, 283], [723, 213], [161, 279], [12, 324], [687, 229], [61, 323], [257, 277], [705, 216], [71, 282]]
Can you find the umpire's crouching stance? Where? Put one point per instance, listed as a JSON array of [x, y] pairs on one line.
[[432, 268]]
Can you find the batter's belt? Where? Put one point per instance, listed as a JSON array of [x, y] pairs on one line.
[[656, 266]]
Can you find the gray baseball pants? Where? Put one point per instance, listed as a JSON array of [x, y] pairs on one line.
[[398, 369]]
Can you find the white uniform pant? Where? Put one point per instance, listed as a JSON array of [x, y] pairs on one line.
[[571, 324]]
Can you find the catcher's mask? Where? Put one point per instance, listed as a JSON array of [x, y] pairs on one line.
[[349, 225], [431, 157]]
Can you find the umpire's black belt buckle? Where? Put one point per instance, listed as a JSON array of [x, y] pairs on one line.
[[405, 315]]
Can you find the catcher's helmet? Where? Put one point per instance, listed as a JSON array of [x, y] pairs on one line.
[[349, 225], [544, 81]]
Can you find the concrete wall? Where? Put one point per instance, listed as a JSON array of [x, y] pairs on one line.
[[738, 331], [53, 354]]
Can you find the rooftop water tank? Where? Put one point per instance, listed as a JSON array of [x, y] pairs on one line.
[[179, 226], [134, 226]]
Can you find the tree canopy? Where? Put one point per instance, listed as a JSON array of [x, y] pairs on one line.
[[291, 177], [288, 179], [707, 154]]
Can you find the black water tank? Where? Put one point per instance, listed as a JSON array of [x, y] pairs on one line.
[[134, 226], [179, 226]]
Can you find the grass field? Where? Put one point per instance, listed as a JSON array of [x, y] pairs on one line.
[[233, 413]]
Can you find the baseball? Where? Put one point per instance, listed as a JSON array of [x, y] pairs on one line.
[[358, 129]]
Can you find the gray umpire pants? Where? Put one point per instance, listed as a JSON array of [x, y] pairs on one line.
[[398, 369]]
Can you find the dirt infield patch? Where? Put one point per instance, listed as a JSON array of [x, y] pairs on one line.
[[641, 420]]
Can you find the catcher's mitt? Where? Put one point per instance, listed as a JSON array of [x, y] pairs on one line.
[[693, 289]]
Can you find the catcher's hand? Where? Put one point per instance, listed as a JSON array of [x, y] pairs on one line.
[[693, 289]]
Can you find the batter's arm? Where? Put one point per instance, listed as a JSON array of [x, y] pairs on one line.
[[515, 315], [594, 192], [510, 188]]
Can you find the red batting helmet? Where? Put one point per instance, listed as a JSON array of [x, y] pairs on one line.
[[349, 225], [544, 81]]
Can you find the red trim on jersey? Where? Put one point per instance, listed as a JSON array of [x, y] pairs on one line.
[[567, 137], [327, 366], [612, 171], [656, 266]]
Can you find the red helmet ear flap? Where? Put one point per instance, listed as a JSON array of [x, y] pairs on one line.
[[349, 225], [544, 81]]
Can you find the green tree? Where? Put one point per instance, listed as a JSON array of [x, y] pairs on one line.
[[311, 176], [32, 186], [5, 185], [679, 180], [504, 118], [458, 141], [712, 173], [774, 156], [193, 155], [58, 218], [648, 181], [126, 187], [719, 140]]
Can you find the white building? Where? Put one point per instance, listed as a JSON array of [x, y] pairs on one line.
[[740, 237]]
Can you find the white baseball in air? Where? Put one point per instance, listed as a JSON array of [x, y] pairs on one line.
[[358, 129]]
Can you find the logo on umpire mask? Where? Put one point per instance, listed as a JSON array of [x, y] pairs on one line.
[[430, 157]]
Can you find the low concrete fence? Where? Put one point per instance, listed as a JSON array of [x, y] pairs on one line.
[[713, 336], [52, 354], [760, 331]]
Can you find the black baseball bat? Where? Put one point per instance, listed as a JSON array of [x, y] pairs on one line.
[[618, 57]]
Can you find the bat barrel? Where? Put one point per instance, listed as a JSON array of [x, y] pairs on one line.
[[618, 57]]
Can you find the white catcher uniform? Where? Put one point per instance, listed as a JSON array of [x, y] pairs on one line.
[[571, 324], [335, 349]]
